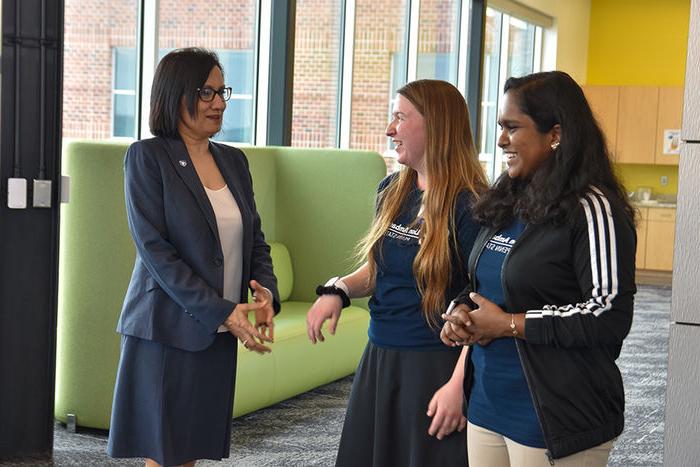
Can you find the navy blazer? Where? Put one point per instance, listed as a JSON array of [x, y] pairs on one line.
[[176, 288]]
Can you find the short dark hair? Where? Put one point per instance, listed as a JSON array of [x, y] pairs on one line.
[[178, 75]]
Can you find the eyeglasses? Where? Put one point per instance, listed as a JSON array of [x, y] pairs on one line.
[[207, 94]]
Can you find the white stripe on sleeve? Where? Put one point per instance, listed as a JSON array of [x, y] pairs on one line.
[[603, 250]]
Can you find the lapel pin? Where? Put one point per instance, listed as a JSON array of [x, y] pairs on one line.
[[183, 163]]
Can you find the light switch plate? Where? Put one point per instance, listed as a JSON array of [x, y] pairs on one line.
[[41, 194], [17, 193]]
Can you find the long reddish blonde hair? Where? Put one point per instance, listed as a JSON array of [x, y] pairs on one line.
[[452, 166]]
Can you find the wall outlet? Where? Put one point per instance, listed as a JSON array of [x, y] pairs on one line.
[[42, 194], [664, 180]]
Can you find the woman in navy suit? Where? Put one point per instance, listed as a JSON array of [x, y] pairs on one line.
[[199, 247]]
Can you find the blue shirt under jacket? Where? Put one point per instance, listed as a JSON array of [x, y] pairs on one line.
[[500, 400], [395, 307]]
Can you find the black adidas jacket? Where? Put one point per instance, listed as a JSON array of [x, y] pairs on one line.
[[576, 285]]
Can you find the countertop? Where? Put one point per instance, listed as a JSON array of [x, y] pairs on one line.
[[653, 204]]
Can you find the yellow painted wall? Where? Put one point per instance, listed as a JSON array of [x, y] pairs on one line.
[[636, 175], [639, 42]]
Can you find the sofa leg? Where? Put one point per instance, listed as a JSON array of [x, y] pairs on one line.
[[71, 422]]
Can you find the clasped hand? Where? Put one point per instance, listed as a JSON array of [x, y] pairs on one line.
[[464, 326], [240, 326]]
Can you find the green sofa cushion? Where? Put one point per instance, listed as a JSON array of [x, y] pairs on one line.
[[295, 365]]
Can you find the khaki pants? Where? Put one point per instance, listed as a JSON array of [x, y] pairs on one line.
[[489, 449]]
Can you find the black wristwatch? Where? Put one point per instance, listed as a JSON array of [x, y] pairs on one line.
[[331, 289]]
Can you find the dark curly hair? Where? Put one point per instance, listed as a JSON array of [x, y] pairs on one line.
[[582, 159]]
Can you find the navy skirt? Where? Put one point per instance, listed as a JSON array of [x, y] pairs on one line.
[[386, 423], [171, 405]]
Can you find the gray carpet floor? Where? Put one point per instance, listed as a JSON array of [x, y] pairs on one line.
[[304, 431]]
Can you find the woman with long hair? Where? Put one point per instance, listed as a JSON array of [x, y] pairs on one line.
[[414, 263], [552, 288]]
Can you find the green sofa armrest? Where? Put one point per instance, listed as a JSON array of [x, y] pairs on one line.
[[282, 266], [295, 365]]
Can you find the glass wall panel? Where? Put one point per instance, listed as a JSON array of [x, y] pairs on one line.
[[509, 50], [124, 89], [99, 69], [317, 58], [490, 89], [238, 118], [438, 40], [519, 62], [379, 68], [228, 27], [521, 47]]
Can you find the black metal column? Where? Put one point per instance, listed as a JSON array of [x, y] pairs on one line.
[[30, 114], [279, 113], [475, 62]]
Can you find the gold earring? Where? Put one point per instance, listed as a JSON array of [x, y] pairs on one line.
[[554, 145]]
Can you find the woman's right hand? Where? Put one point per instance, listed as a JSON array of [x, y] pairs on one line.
[[446, 410], [325, 307], [240, 326]]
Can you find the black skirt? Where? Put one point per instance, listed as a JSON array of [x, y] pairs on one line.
[[171, 405], [386, 423]]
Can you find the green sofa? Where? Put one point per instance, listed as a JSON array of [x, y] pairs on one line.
[[314, 204]]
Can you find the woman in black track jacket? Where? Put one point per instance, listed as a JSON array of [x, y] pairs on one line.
[[551, 290]]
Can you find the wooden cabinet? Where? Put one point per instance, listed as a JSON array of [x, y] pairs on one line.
[[655, 239], [636, 124], [603, 102], [642, 238], [634, 118], [669, 118]]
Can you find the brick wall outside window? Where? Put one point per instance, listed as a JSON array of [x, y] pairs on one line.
[[93, 28]]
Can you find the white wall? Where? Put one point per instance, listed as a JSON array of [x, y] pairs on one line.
[[682, 416]]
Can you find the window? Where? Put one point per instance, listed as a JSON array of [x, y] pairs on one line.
[[394, 43], [101, 61], [511, 48], [433, 65], [438, 42], [490, 90], [238, 118], [350, 58], [317, 59], [124, 93], [379, 69], [233, 36], [521, 47], [99, 69]]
